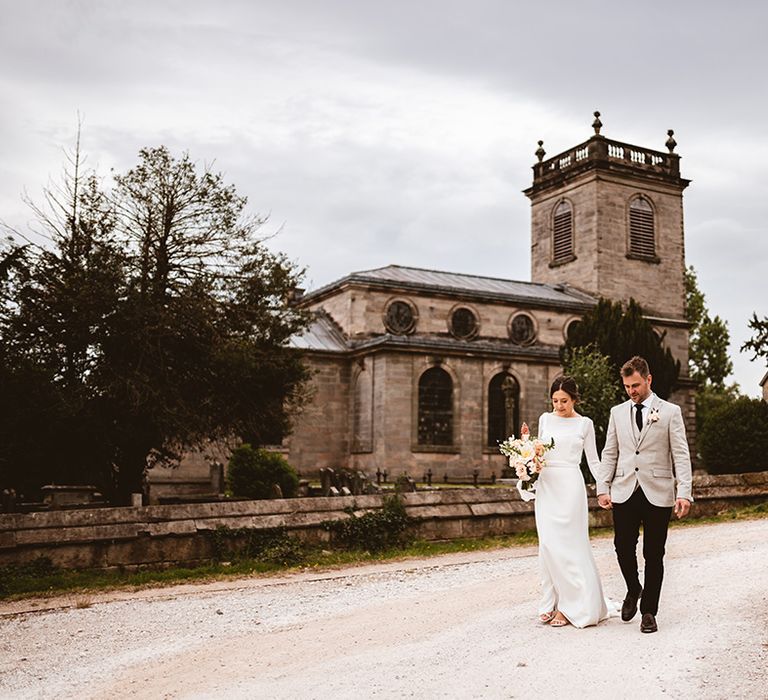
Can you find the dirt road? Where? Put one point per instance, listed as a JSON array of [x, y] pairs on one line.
[[457, 626]]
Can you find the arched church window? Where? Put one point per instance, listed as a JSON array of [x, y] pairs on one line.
[[435, 407], [463, 324], [642, 239], [400, 317], [503, 408], [571, 328], [562, 234], [522, 330]]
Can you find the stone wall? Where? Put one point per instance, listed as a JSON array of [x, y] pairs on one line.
[[359, 312], [163, 535], [600, 205], [322, 431]]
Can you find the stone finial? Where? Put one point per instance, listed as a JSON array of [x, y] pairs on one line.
[[597, 124], [671, 143], [540, 152]]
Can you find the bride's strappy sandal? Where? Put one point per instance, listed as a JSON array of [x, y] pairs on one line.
[[547, 617], [558, 621]]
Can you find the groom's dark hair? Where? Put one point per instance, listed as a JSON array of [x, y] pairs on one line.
[[636, 364]]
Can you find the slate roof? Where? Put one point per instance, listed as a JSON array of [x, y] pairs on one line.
[[487, 288], [322, 334]]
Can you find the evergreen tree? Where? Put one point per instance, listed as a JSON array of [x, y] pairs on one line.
[[619, 333], [154, 321]]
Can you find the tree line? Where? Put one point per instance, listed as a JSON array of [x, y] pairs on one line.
[[731, 429], [151, 319]]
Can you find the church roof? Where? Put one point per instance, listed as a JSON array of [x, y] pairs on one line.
[[321, 334], [436, 281]]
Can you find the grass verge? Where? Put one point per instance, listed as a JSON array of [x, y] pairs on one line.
[[42, 579]]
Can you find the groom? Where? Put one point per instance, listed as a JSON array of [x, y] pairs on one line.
[[645, 476]]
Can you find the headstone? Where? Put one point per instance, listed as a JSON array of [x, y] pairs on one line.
[[405, 484], [326, 481], [217, 477]]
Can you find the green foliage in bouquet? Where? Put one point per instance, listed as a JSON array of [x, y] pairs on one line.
[[373, 531], [253, 473], [735, 437]]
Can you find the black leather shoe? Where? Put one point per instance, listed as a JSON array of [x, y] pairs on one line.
[[629, 606], [648, 623]]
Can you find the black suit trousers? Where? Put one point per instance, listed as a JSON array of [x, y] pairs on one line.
[[627, 519]]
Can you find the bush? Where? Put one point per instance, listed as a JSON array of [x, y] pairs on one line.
[[373, 531], [254, 473], [734, 437], [271, 545], [17, 577]]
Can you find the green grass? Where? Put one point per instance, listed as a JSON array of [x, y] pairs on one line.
[[42, 579]]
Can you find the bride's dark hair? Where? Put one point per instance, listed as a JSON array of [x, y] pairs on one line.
[[567, 384]]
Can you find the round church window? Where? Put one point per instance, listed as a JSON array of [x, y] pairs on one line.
[[400, 318], [463, 323], [522, 330]]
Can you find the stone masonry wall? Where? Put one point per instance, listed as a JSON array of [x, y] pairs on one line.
[[600, 204], [360, 313], [163, 535], [321, 432]]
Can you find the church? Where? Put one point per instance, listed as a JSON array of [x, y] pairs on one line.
[[418, 369]]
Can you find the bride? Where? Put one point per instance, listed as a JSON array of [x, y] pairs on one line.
[[571, 589]]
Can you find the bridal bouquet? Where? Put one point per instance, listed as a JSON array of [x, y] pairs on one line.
[[526, 457]]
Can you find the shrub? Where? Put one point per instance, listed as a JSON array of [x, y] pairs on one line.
[[254, 473], [734, 437], [271, 545], [372, 531], [16, 577]]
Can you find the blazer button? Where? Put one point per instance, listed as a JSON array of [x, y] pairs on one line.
[[637, 452], [637, 469]]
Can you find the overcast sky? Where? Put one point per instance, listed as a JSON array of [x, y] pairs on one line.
[[402, 131]]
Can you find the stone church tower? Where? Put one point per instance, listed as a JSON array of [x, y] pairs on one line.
[[607, 218]]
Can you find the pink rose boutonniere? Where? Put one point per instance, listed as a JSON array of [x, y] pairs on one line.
[[653, 416]]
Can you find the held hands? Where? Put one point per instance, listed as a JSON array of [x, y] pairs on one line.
[[682, 507], [604, 501]]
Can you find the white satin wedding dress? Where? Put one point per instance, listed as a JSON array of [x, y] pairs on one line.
[[569, 577]]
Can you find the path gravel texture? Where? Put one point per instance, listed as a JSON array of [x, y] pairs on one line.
[[455, 626]]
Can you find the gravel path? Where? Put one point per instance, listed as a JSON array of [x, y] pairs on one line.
[[456, 626]]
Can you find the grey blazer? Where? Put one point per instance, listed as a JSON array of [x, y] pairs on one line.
[[658, 458]]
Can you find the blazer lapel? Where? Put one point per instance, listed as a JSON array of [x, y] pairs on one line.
[[648, 423], [629, 421]]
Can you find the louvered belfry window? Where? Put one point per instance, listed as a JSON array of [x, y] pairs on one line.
[[562, 239], [642, 241]]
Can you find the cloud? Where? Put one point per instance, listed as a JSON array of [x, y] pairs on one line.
[[401, 132]]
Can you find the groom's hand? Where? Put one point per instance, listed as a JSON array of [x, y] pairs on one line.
[[604, 501], [682, 506]]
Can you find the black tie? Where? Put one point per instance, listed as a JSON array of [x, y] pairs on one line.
[[639, 416]]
